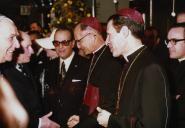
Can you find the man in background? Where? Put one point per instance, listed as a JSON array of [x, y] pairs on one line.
[[176, 47], [35, 26]]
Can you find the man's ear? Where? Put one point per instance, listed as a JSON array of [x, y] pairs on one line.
[[124, 31]]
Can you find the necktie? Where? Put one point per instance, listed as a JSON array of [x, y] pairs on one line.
[[62, 72]]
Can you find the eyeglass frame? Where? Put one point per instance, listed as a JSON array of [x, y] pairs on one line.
[[78, 41], [173, 41], [63, 43]]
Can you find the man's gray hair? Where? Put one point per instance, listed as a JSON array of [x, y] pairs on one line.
[[3, 17]]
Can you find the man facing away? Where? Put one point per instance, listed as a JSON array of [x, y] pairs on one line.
[[142, 95]]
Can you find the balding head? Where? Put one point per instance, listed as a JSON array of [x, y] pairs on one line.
[[87, 38]]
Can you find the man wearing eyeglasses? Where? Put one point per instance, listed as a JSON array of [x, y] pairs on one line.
[[103, 76], [65, 78], [176, 46]]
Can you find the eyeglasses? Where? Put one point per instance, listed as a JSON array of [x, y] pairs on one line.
[[78, 41], [173, 41], [57, 43]]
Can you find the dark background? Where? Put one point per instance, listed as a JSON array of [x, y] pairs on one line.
[[162, 9], [11, 8]]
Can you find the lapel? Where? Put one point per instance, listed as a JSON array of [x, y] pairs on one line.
[[17, 78], [54, 71], [29, 76]]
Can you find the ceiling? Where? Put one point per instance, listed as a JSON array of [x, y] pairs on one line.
[[11, 8]]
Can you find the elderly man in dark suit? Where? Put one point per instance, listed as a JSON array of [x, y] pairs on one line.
[[23, 83], [65, 77]]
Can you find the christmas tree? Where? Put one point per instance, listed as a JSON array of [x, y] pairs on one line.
[[68, 12]]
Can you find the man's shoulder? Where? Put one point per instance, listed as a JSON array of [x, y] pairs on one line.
[[112, 61], [81, 59], [53, 61]]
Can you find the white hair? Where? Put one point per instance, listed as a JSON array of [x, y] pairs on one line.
[[4, 18]]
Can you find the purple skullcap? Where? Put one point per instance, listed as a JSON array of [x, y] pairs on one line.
[[132, 14], [92, 22]]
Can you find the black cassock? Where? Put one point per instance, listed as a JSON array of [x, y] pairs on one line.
[[104, 74], [144, 100]]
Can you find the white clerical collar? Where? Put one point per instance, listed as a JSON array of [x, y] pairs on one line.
[[98, 48], [67, 61], [180, 60], [132, 51]]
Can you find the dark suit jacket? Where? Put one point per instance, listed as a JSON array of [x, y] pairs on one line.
[[26, 91], [145, 97], [65, 100]]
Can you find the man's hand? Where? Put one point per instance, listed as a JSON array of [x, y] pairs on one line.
[[73, 120], [47, 123], [103, 117]]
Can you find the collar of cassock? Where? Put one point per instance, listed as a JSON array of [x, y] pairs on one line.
[[131, 57]]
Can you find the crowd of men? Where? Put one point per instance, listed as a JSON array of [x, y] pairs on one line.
[[75, 78]]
